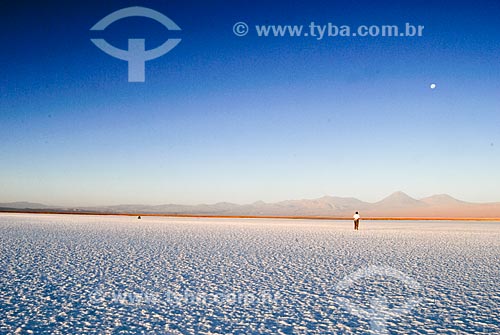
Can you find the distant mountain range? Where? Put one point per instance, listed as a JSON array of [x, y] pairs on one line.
[[397, 204]]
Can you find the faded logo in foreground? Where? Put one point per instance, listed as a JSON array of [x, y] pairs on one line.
[[379, 311]]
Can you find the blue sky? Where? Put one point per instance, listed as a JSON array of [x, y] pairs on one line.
[[240, 119]]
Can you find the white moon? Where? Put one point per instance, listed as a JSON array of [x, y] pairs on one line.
[[433, 86]]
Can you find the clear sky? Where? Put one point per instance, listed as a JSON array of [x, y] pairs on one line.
[[241, 119]]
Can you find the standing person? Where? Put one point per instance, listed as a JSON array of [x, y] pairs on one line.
[[356, 218]]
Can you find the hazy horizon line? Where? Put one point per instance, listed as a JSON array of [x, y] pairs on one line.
[[248, 203]]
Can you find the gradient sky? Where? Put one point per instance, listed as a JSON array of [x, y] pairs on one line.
[[240, 119]]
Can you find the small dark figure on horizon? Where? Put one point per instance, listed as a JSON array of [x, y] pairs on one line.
[[139, 217], [356, 218]]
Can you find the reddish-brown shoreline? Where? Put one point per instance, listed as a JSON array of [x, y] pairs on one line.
[[254, 216]]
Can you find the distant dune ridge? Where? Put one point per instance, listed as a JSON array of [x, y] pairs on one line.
[[398, 204]]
